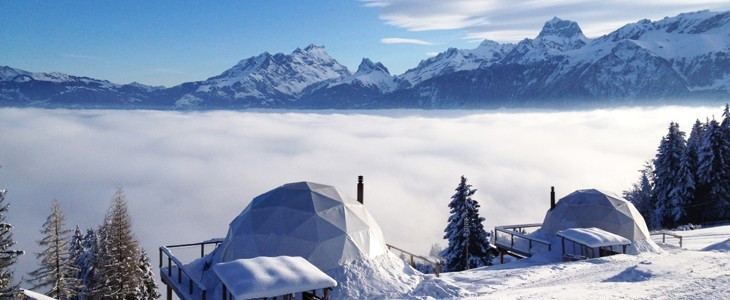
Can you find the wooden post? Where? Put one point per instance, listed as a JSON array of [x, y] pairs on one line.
[[160, 257], [438, 269], [169, 269], [169, 292], [501, 256], [326, 294], [562, 243], [225, 291], [664, 238], [680, 241], [412, 263], [202, 250]]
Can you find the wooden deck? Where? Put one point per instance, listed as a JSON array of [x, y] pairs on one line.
[[515, 242]]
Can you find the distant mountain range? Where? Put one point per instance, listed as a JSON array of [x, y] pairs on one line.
[[682, 59]]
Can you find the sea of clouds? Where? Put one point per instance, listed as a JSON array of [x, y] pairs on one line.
[[186, 175]]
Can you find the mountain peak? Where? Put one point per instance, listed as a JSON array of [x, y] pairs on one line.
[[561, 28], [367, 66]]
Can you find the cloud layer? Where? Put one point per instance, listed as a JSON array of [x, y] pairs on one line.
[[186, 175], [503, 20]]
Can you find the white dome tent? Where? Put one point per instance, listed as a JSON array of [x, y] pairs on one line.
[[604, 210], [304, 219]]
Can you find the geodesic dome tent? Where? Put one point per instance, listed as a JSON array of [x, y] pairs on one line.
[[604, 210], [305, 219]]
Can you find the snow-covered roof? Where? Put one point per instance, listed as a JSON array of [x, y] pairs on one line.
[[261, 277], [593, 237]]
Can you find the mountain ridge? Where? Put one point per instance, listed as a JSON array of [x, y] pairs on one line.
[[681, 57]]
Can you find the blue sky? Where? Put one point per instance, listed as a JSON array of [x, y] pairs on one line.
[[170, 42]]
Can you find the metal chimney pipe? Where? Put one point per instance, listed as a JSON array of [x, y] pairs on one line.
[[552, 197], [360, 190]]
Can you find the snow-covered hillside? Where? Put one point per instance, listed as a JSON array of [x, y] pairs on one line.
[[686, 273]]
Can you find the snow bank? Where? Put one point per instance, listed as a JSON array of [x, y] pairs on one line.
[[723, 246]]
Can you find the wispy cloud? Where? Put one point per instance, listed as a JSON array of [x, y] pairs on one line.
[[493, 19], [404, 41], [432, 53]]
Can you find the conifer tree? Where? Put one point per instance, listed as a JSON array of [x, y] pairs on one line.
[[75, 251], [713, 174], [641, 192], [86, 264], [117, 270], [669, 194], [468, 241], [148, 287], [56, 270], [694, 142], [8, 289]]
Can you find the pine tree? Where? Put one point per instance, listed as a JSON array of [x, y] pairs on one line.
[[57, 270], [86, 265], [694, 142], [713, 174], [468, 241], [8, 289], [75, 251], [148, 286], [671, 190], [641, 192], [117, 270]]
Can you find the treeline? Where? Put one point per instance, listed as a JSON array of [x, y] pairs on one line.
[[688, 181], [102, 263]]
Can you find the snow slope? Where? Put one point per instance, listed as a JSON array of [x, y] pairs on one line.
[[676, 274]]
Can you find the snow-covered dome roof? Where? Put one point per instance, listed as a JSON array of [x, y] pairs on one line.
[[304, 219], [604, 210]]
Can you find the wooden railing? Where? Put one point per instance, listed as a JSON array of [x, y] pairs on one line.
[[436, 265], [664, 235], [194, 285], [514, 231]]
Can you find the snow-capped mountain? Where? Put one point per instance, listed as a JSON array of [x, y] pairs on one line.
[[673, 60], [23, 88], [454, 60], [264, 80], [370, 82]]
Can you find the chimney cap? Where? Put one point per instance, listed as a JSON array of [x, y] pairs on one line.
[[359, 178]]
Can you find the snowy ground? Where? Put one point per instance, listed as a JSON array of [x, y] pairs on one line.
[[678, 273]]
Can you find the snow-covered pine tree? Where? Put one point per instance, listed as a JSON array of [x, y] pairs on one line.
[[8, 289], [670, 201], [712, 170], [468, 241], [75, 251], [640, 193], [56, 270], [694, 142], [85, 263], [117, 270], [148, 287]]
